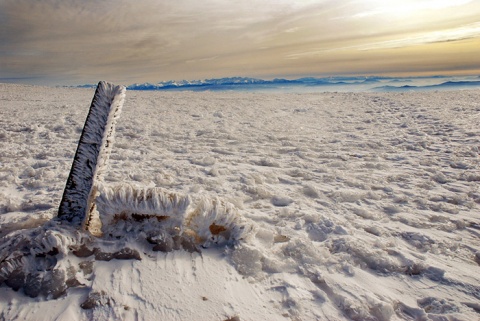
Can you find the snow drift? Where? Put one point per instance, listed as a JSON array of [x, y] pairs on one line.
[[353, 207]]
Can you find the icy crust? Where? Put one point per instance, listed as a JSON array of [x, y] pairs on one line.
[[47, 260], [92, 153], [125, 201], [206, 219], [35, 260], [215, 221]]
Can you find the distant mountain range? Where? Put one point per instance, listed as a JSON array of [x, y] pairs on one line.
[[237, 82], [444, 85], [337, 83]]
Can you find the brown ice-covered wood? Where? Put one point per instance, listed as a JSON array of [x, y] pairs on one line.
[[92, 154]]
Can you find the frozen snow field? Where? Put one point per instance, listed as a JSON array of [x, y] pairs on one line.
[[327, 206]]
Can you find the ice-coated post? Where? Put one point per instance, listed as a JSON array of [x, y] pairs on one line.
[[92, 154]]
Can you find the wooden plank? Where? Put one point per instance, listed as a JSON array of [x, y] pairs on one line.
[[92, 154]]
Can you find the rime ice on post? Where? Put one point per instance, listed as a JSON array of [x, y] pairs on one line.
[[92, 154]]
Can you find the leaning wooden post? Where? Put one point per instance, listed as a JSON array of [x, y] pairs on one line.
[[92, 154]]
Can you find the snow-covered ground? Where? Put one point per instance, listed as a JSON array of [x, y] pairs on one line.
[[327, 206]]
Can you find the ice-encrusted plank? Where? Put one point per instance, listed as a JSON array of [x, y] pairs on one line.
[[92, 153]]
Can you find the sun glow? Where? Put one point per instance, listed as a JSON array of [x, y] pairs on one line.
[[407, 7]]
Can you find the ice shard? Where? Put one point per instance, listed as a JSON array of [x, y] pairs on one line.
[[92, 154]]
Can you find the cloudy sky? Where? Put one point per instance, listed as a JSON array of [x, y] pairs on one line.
[[125, 41]]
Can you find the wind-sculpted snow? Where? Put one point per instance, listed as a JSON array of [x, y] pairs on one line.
[[128, 202], [206, 220], [34, 260], [334, 206], [215, 221], [49, 259]]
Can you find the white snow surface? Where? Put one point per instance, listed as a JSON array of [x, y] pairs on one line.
[[333, 206]]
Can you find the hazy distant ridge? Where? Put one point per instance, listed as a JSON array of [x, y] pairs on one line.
[[365, 83], [444, 85], [244, 81]]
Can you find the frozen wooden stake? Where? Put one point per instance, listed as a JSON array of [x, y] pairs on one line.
[[92, 154]]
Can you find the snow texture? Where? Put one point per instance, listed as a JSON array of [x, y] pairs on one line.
[[246, 206]]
